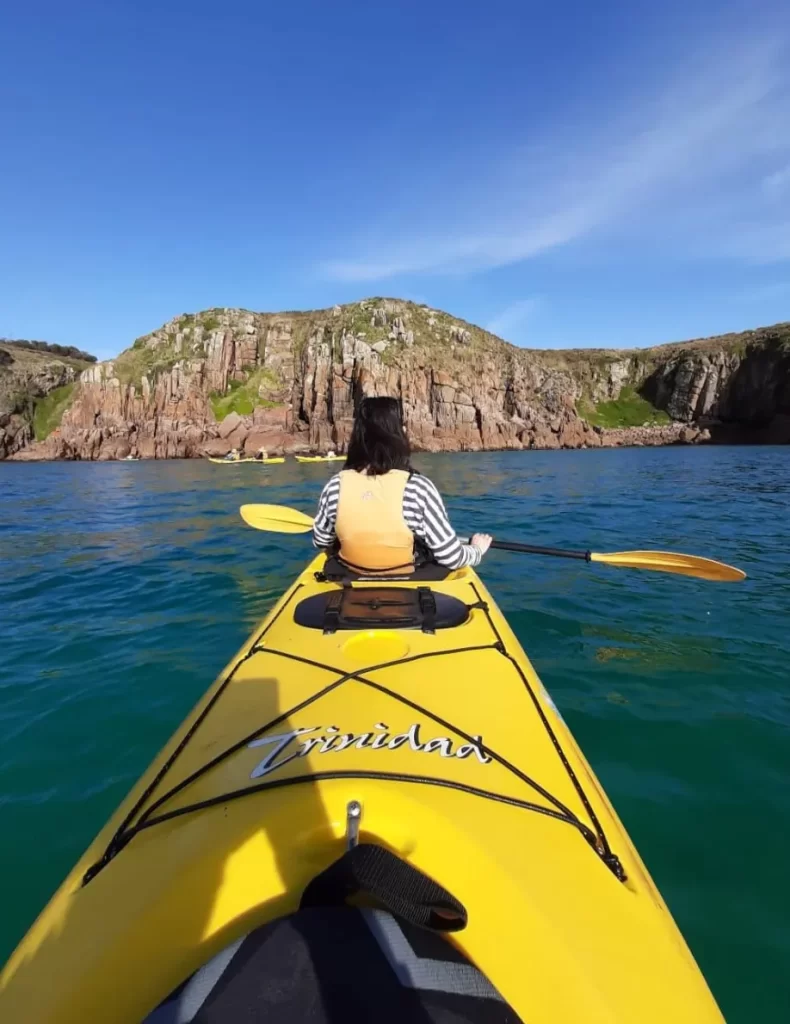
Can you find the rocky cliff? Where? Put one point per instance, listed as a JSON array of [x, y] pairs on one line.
[[232, 378], [738, 384], [35, 388]]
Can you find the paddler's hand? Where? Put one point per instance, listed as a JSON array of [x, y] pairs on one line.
[[482, 541]]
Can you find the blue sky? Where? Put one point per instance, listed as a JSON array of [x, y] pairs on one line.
[[567, 174]]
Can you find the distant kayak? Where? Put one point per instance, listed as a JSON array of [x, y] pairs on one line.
[[320, 458], [131, 458], [238, 462]]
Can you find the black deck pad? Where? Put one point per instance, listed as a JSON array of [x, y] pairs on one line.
[[389, 607]]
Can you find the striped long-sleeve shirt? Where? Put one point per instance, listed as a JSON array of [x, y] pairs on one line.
[[423, 512]]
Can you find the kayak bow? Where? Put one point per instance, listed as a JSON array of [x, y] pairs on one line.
[[461, 765]]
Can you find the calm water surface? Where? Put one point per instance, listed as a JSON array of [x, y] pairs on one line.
[[124, 588]]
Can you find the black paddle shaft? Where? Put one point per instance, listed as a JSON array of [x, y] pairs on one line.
[[531, 549]]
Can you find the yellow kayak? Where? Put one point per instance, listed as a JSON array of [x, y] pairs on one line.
[[238, 462], [443, 737], [320, 458]]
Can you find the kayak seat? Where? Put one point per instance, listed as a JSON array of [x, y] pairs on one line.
[[330, 963], [381, 607], [337, 965], [428, 572]]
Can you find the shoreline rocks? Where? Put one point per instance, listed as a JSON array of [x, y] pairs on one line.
[[569, 436]]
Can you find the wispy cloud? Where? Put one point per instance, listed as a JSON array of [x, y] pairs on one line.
[[765, 292], [777, 182], [693, 152], [513, 318], [759, 243]]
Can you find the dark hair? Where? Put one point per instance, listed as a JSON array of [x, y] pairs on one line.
[[378, 441]]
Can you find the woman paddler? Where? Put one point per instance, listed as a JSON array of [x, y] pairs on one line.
[[378, 505]]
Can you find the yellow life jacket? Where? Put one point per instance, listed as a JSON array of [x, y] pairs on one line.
[[370, 526]]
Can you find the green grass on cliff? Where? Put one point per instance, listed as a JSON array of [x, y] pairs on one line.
[[142, 360], [49, 411], [243, 397], [629, 409]]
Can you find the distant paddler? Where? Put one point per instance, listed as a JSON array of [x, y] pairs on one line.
[[261, 455], [233, 455]]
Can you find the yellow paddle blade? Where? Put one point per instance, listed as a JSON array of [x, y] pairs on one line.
[[670, 561], [277, 518]]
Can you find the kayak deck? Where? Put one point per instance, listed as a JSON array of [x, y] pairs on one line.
[[320, 458], [462, 766]]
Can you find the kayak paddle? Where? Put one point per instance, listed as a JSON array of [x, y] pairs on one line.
[[276, 518], [281, 519]]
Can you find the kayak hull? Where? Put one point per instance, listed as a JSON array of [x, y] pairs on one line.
[[320, 458], [461, 720], [238, 462]]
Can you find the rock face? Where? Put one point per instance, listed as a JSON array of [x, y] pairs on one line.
[[226, 378], [743, 385], [28, 375]]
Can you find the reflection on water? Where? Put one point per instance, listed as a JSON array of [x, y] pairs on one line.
[[124, 588]]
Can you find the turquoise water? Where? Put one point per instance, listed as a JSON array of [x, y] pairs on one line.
[[124, 588]]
